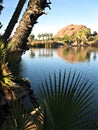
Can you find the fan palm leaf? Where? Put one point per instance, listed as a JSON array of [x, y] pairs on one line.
[[5, 73], [67, 99], [19, 118]]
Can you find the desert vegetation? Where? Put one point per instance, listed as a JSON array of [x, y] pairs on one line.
[[68, 97]]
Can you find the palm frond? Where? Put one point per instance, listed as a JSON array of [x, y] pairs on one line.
[[19, 118], [67, 98]]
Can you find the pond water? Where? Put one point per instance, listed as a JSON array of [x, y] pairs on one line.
[[36, 64]]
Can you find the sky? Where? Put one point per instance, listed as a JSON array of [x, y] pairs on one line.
[[62, 13]]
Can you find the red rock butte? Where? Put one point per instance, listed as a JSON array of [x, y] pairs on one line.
[[69, 30]]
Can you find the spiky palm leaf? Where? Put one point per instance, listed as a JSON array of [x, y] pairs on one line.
[[19, 119], [65, 101], [5, 75], [3, 52]]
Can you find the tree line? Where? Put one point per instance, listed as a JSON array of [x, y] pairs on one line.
[[81, 37], [43, 36]]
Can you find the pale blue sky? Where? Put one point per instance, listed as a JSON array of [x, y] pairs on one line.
[[62, 13]]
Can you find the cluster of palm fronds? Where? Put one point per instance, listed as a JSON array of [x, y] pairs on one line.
[[18, 118], [66, 101], [5, 73], [5, 80]]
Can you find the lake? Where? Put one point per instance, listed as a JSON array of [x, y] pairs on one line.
[[38, 63]]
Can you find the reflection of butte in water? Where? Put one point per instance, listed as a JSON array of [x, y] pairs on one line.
[[46, 52], [74, 54]]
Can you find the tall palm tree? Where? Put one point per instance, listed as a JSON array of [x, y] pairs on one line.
[[51, 35], [1, 7], [34, 10], [43, 36], [39, 36], [82, 35], [13, 20]]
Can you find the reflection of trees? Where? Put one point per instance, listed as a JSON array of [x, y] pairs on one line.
[[75, 54], [95, 56], [46, 52], [32, 54]]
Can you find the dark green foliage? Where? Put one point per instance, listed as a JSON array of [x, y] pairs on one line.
[[19, 118], [65, 101], [94, 33], [31, 37], [5, 74]]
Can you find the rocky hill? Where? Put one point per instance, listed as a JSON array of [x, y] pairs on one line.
[[69, 30]]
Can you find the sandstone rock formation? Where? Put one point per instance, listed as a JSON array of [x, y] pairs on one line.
[[69, 30]]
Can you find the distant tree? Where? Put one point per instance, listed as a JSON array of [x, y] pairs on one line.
[[31, 37], [58, 39], [96, 38], [94, 33], [39, 36], [50, 35], [82, 35], [67, 39], [86, 32], [91, 38], [47, 36], [78, 36], [43, 36]]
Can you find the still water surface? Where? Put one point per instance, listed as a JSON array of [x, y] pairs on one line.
[[36, 64]]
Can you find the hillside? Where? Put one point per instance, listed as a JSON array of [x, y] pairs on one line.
[[69, 30]]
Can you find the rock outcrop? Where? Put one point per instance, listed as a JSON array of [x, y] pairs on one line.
[[69, 30]]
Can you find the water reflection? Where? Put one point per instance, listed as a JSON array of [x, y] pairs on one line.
[[32, 54], [42, 52], [95, 56], [38, 63], [44, 60], [77, 54]]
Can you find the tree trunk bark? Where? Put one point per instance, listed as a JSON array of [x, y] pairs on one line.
[[34, 10], [13, 20]]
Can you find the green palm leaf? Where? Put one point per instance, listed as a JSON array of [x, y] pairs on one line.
[[19, 118], [65, 100]]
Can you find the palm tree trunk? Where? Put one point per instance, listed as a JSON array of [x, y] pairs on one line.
[[34, 10], [1, 8], [13, 20]]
